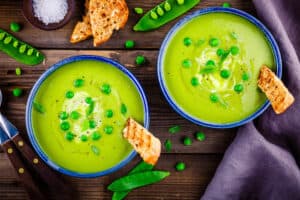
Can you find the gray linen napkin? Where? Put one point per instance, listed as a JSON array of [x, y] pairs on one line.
[[263, 160]]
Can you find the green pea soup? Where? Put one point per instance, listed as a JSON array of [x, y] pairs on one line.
[[80, 112], [211, 66]]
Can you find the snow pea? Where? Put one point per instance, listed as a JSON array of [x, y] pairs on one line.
[[19, 50], [136, 180], [141, 167], [163, 13]]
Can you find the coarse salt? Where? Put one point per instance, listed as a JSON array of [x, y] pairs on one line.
[[50, 11]]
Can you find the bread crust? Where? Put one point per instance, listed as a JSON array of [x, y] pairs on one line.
[[280, 97]]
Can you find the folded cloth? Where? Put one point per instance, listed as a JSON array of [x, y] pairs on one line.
[[263, 160]]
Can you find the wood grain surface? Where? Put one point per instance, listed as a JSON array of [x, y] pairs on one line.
[[201, 158]]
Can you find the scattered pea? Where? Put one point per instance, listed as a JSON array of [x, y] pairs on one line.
[[129, 44], [194, 81], [245, 76], [88, 100], [78, 83], [140, 60], [200, 136], [180, 166], [96, 135], [187, 41], [238, 88], [214, 97], [220, 52], [18, 71], [84, 138], [139, 11], [186, 63], [167, 6], [17, 92], [210, 63], [69, 136], [174, 129], [22, 48], [7, 40], [69, 94], [123, 109], [160, 11], [187, 141], [29, 52], [225, 73], [153, 15], [234, 50], [65, 126], [226, 5], [75, 115], [105, 88], [168, 145], [92, 124], [15, 27], [109, 113], [63, 115], [214, 42], [16, 44], [108, 130], [180, 2]]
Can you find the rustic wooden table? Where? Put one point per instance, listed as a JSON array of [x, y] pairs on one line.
[[201, 158]]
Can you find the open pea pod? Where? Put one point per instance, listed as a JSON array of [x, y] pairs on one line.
[[19, 50], [163, 13]]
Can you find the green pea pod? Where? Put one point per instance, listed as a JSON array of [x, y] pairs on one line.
[[141, 167], [163, 13], [19, 50], [136, 180]]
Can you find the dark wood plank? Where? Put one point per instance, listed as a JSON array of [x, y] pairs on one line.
[[162, 115], [12, 11], [189, 184]]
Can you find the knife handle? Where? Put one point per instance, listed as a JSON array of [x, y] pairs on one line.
[[44, 172], [25, 177]]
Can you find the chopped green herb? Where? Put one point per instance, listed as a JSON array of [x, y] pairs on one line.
[[234, 35], [168, 145], [17, 92], [95, 150], [208, 69], [187, 141], [38, 107], [180, 166], [139, 11], [18, 71], [174, 129], [200, 136]]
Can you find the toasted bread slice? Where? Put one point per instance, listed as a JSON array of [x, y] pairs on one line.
[[275, 90], [107, 16], [148, 146], [83, 29]]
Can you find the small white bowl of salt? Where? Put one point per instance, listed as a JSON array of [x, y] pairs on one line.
[[48, 14]]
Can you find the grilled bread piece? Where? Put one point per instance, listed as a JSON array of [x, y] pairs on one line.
[[107, 16], [275, 90], [148, 146], [83, 29]]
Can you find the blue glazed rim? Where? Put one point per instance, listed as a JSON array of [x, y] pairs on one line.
[[250, 18], [31, 97]]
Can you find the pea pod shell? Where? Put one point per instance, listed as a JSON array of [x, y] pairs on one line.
[[22, 57], [147, 22], [136, 180]]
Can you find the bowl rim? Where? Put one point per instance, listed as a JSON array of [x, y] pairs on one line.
[[272, 42], [34, 90]]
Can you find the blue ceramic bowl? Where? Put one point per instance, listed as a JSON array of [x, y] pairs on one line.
[[174, 29], [36, 87]]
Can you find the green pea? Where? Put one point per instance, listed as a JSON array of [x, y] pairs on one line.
[[168, 145], [78, 83], [153, 15], [214, 42], [139, 11], [187, 141], [105, 88], [167, 6], [140, 60], [92, 124], [186, 63], [63, 115], [88, 100], [194, 81], [123, 109], [220, 52], [22, 48], [2, 35], [180, 2], [210, 63], [69, 94], [17, 92], [69, 136], [84, 138], [129, 44], [96, 135], [238, 88], [225, 73], [95, 150], [16, 44], [29, 52], [180, 166], [65, 126], [226, 5], [187, 41], [15, 27], [214, 97], [234, 50], [38, 107], [174, 129], [75, 115], [160, 11], [109, 113], [108, 130], [200, 136], [7, 40], [18, 71], [245, 76]]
